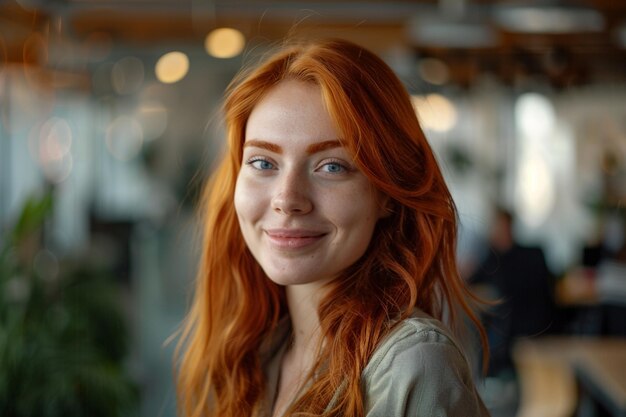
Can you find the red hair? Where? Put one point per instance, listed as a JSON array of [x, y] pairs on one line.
[[410, 262]]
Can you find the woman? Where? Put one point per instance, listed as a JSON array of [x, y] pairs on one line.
[[329, 252]]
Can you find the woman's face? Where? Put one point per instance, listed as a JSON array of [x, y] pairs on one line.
[[305, 211]]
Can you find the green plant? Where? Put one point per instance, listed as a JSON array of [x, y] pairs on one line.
[[63, 337]]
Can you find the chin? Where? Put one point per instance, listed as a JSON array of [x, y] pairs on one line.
[[289, 279], [286, 281]]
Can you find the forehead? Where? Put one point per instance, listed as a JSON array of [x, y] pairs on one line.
[[291, 112]]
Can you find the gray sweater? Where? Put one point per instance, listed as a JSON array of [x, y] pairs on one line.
[[417, 371]]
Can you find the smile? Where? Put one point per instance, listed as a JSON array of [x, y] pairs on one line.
[[293, 238]]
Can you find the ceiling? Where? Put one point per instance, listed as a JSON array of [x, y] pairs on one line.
[[565, 43]]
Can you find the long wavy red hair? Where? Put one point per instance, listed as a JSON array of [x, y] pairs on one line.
[[409, 264]]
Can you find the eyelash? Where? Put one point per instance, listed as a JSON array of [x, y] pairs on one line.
[[339, 163], [251, 162]]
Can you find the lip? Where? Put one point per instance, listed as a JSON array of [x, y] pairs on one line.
[[293, 238]]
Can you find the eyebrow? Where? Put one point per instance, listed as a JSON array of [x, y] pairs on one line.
[[322, 146], [311, 149], [272, 147]]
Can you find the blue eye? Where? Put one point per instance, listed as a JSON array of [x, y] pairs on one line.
[[260, 164], [333, 167]]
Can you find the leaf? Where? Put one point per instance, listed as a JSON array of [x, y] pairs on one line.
[[32, 217], [62, 347]]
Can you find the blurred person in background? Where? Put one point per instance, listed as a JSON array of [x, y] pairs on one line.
[[329, 252], [518, 277], [600, 280]]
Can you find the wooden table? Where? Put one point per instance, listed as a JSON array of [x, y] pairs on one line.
[[601, 371], [551, 370]]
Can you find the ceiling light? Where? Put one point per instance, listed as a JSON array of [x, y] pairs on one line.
[[172, 67], [224, 43], [464, 32], [548, 19]]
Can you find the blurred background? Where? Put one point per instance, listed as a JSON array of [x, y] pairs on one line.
[[110, 121]]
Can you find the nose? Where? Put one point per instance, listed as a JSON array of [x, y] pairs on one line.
[[291, 196]]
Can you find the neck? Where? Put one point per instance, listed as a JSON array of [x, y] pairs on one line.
[[303, 301]]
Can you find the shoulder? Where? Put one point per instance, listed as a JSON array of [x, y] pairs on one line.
[[414, 334], [414, 344], [419, 369]]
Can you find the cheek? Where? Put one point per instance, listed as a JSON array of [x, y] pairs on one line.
[[355, 210], [243, 200], [251, 200]]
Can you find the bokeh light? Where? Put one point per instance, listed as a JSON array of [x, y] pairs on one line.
[[50, 145], [224, 43], [55, 138], [172, 67], [535, 191], [534, 114], [435, 112], [433, 71]]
